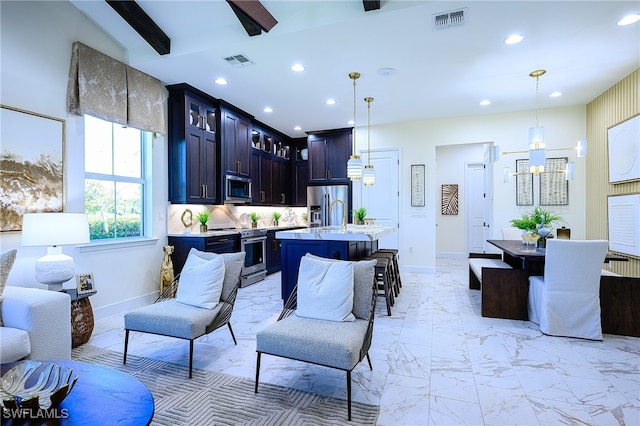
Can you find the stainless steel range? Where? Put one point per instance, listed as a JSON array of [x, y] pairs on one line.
[[254, 243]]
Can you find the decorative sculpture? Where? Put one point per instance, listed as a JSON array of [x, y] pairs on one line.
[[166, 270]]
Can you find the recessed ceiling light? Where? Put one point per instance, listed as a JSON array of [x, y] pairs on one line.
[[386, 72], [221, 81], [297, 68], [514, 39], [555, 94], [267, 109], [330, 102], [297, 128], [485, 102], [629, 19]]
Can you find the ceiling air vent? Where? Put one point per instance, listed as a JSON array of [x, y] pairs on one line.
[[449, 19], [239, 61]]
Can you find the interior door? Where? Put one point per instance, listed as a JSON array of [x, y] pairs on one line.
[[382, 200], [474, 186]]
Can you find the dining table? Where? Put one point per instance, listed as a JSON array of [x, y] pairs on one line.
[[505, 292]]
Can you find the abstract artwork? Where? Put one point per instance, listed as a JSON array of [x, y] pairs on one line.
[[450, 199], [624, 151], [524, 184], [31, 162], [554, 186]]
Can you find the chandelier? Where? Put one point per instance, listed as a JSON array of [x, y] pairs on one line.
[[354, 165], [369, 174]]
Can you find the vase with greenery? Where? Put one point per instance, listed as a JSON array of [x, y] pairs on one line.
[[359, 215], [203, 217], [254, 217], [536, 219], [276, 218]]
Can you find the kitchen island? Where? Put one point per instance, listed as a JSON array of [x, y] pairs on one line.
[[354, 243]]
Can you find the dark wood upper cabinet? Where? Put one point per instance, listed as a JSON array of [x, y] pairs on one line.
[[236, 142], [193, 149], [329, 152]]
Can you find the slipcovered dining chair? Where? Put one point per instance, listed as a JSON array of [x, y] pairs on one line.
[[566, 300], [328, 318], [205, 293]]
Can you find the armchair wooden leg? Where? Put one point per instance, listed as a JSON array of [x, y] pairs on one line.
[[190, 357], [349, 393], [232, 335], [257, 371], [126, 343], [369, 359]]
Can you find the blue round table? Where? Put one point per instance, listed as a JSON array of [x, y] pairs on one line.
[[101, 396]]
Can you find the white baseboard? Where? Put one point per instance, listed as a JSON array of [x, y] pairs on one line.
[[451, 254], [125, 305]]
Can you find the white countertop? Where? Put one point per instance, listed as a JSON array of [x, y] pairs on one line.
[[335, 233]]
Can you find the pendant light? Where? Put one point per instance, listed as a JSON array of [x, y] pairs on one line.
[[369, 174], [354, 165], [537, 152]]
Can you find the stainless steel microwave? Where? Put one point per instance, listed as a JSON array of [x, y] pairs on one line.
[[237, 189]]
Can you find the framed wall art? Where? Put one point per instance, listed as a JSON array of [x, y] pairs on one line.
[[450, 199], [417, 185], [624, 150], [624, 223], [524, 184], [554, 186], [32, 165]]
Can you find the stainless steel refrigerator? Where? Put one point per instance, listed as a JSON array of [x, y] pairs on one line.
[[327, 205]]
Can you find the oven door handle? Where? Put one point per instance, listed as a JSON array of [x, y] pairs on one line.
[[253, 240]]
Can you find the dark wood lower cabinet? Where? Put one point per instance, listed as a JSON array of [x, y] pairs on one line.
[[214, 244]]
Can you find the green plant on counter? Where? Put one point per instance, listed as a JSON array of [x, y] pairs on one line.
[[203, 217], [359, 215], [305, 217], [276, 216], [538, 216], [254, 217]]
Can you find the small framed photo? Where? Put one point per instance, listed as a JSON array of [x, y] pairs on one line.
[[85, 283]]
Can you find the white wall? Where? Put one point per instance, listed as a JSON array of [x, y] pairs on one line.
[[36, 44], [418, 141]]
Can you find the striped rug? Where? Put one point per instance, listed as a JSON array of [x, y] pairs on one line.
[[211, 398]]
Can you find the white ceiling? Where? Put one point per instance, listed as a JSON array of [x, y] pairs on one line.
[[439, 73]]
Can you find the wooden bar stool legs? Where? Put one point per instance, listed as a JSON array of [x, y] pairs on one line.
[[395, 264], [393, 270], [383, 280]]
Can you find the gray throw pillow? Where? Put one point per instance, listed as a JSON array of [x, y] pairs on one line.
[[6, 263]]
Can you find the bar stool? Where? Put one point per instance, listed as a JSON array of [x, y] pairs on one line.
[[383, 281], [395, 262], [394, 275]]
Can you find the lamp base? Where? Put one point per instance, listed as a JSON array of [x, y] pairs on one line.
[[55, 268]]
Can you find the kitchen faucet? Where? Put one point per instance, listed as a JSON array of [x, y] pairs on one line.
[[344, 209]]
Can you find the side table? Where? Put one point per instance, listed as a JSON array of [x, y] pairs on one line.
[[81, 317]]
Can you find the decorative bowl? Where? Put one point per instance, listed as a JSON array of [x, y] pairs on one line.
[[34, 385]]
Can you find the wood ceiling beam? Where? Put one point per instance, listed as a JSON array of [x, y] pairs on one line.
[[371, 5], [138, 19], [253, 16]]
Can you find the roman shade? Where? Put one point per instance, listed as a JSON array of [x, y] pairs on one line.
[[111, 90]]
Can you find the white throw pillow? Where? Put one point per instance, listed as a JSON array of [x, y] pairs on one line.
[[201, 279], [325, 290]]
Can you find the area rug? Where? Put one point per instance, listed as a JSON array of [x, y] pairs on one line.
[[212, 398]]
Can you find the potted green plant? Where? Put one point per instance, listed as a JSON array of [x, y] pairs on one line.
[[305, 217], [254, 217], [359, 215], [203, 217], [276, 218]]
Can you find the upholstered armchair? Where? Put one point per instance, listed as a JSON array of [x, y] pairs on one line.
[[566, 300], [199, 307], [318, 324]]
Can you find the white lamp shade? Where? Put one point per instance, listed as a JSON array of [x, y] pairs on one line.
[[582, 148], [496, 153], [53, 229], [369, 175], [537, 157], [536, 136], [506, 175], [569, 171], [354, 168]]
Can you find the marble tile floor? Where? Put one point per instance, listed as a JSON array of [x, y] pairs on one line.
[[436, 360]]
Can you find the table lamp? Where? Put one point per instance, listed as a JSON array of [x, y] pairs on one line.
[[54, 230]]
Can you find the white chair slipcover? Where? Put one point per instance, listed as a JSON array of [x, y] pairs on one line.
[[566, 300]]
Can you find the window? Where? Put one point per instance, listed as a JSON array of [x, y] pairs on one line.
[[114, 179]]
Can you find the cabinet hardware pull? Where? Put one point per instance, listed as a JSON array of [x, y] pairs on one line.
[[262, 197], [206, 191], [275, 245], [202, 189], [282, 200]]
